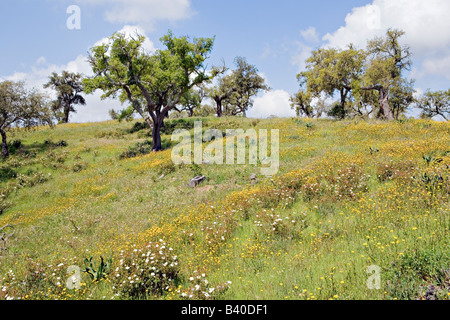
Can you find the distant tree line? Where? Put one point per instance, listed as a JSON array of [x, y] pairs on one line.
[[368, 83], [174, 81]]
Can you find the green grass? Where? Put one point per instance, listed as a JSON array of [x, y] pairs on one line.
[[348, 195]]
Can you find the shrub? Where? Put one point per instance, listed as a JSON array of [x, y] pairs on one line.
[[167, 168], [150, 270], [200, 288], [100, 272], [415, 272], [347, 183], [52, 156], [338, 112], [175, 124], [24, 181], [7, 173], [390, 171], [138, 126], [14, 146], [141, 148], [112, 134], [38, 281], [59, 144], [282, 226], [79, 166], [4, 204]]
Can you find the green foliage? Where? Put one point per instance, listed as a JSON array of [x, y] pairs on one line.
[[338, 112], [7, 173], [435, 104], [59, 144], [301, 103], [138, 126], [235, 92], [176, 124], [100, 272], [330, 71], [14, 146], [28, 181], [141, 148], [411, 275], [79, 166], [430, 159], [365, 80], [196, 169], [126, 114], [335, 220], [146, 271], [21, 108], [167, 168], [4, 204], [69, 88], [191, 101], [152, 83], [247, 83]]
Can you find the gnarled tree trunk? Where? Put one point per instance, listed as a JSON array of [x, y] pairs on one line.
[[5, 151], [156, 134], [66, 115], [158, 124], [219, 107], [385, 107]]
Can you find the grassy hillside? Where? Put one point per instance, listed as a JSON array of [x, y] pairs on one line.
[[348, 195]]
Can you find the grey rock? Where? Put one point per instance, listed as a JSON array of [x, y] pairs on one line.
[[196, 181]]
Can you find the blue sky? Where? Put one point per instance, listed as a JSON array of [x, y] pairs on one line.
[[276, 36]]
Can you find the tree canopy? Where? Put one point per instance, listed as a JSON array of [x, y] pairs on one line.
[[20, 107], [435, 103], [365, 80], [153, 83], [247, 83], [234, 92], [69, 88]]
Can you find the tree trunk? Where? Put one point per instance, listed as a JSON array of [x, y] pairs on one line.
[[343, 99], [156, 134], [385, 107], [5, 151], [66, 116], [158, 124], [66, 112], [219, 107]]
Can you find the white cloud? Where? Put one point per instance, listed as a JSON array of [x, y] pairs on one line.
[[274, 102], [132, 31], [145, 13], [310, 34], [362, 24], [426, 24], [436, 66], [299, 58]]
